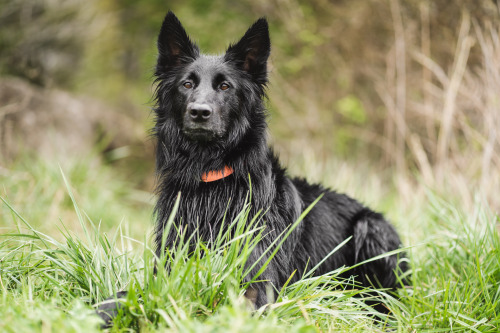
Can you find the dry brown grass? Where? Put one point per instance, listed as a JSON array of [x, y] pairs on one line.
[[431, 94], [450, 134]]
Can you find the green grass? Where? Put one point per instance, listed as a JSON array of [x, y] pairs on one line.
[[36, 189], [52, 272]]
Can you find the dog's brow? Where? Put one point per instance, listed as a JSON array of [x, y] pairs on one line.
[[193, 76], [219, 77]]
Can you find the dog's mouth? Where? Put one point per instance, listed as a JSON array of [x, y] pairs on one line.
[[200, 134], [202, 128]]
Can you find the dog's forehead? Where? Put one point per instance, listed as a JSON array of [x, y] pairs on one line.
[[210, 65]]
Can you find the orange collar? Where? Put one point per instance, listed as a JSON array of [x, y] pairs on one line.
[[212, 176]]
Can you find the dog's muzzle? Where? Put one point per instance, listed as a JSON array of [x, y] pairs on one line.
[[201, 122]]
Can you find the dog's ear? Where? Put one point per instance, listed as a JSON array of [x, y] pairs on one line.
[[174, 46], [251, 52]]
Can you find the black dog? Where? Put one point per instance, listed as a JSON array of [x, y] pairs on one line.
[[211, 131]]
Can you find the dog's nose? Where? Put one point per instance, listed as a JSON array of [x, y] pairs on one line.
[[199, 112]]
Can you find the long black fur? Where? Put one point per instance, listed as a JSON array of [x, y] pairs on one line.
[[233, 134]]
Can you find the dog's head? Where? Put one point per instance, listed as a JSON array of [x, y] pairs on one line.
[[211, 98]]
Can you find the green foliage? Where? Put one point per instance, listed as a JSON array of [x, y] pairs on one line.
[[351, 108], [353, 113]]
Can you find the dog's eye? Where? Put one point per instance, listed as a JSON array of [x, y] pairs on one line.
[[188, 85], [224, 86]]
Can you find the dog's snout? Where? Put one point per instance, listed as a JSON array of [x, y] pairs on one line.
[[199, 112], [201, 121]]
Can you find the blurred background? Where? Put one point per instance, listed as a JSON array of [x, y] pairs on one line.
[[384, 100]]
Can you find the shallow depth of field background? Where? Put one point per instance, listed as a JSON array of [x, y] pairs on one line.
[[407, 90], [393, 102]]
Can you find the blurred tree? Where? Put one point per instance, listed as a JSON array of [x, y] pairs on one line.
[[40, 40]]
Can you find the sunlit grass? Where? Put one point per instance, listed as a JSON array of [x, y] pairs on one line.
[[35, 188], [53, 274]]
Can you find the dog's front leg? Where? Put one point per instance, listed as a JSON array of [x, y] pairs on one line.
[[260, 294], [262, 291]]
